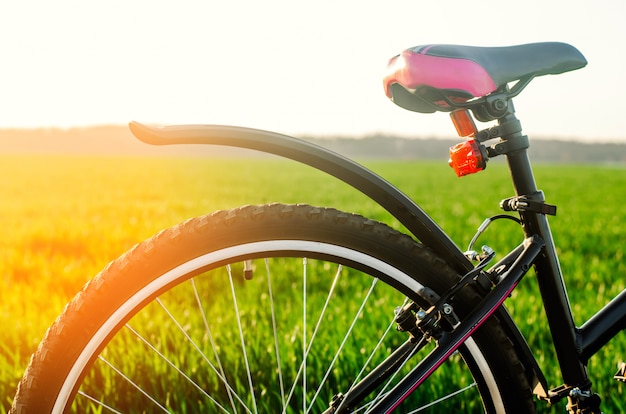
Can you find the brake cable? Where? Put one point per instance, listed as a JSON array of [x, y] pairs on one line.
[[481, 229]]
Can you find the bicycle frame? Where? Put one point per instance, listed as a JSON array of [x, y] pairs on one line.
[[574, 346]]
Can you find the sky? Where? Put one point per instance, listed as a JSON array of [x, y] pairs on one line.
[[295, 67]]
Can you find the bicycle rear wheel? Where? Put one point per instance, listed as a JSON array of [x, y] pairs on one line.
[[260, 309]]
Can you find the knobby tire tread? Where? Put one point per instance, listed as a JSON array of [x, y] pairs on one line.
[[124, 276]]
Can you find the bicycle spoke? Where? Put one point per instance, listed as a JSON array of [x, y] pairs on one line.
[[175, 367], [97, 402], [345, 338], [319, 323], [275, 334], [191, 341], [241, 337], [383, 392], [307, 350], [304, 318], [222, 374], [442, 399], [131, 382], [376, 348], [369, 405]]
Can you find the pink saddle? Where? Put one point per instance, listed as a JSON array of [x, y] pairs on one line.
[[426, 78]]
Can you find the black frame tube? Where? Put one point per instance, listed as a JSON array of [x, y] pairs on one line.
[[549, 276], [451, 341], [376, 377], [603, 326]]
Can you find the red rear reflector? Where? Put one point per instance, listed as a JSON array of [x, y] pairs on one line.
[[467, 158], [463, 123]]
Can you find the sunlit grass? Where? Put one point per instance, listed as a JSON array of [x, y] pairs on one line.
[[64, 218]]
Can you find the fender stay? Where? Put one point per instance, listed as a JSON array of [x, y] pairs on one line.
[[357, 176]]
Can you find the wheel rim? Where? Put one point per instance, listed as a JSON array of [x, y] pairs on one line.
[[295, 389]]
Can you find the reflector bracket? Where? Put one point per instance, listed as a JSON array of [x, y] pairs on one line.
[[463, 122]]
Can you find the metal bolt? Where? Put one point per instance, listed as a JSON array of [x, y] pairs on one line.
[[447, 309], [579, 394], [499, 105]]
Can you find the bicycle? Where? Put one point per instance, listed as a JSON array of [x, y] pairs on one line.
[[301, 308]]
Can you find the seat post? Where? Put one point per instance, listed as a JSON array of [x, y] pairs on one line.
[[517, 157]]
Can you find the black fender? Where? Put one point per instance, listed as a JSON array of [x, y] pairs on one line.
[[414, 219], [389, 197]]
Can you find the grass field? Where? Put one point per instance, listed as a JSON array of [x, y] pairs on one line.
[[64, 218]]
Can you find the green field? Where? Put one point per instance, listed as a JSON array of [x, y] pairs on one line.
[[65, 218]]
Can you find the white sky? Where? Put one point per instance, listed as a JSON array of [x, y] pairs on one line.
[[296, 67]]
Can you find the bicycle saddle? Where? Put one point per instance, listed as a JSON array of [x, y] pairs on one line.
[[420, 77]]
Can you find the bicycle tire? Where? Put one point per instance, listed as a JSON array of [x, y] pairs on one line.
[[78, 349]]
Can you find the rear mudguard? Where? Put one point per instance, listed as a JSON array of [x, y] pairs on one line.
[[364, 180], [414, 219]]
